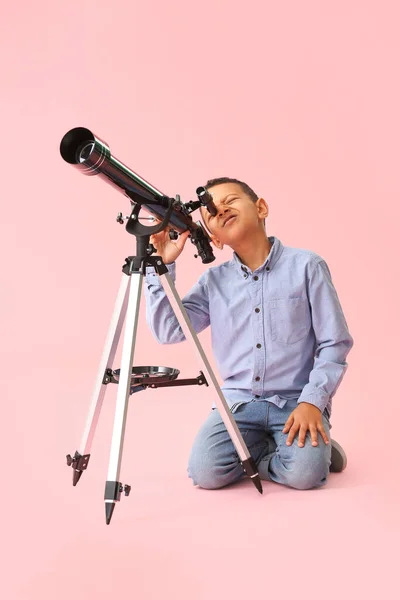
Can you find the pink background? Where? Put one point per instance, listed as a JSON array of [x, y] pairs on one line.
[[299, 99]]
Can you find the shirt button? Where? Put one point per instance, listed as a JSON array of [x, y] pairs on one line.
[[258, 345], [257, 379], [267, 268], [255, 278], [257, 310]]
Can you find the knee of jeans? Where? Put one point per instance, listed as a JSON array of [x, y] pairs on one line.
[[310, 470], [206, 473], [306, 481]]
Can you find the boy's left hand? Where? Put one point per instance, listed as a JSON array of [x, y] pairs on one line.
[[305, 417]]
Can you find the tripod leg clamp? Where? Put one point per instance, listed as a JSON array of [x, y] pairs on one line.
[[114, 490], [78, 462], [250, 467]]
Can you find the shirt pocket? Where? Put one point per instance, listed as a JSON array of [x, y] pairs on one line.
[[290, 320]]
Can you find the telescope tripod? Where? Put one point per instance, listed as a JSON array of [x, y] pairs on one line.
[[134, 379]]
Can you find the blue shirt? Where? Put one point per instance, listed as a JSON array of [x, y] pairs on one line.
[[278, 333]]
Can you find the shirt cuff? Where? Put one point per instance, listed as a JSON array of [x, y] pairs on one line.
[[311, 395]]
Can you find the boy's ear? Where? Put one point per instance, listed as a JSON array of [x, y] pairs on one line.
[[217, 243], [264, 207]]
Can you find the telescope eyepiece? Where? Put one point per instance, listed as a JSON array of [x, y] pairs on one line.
[[206, 199]]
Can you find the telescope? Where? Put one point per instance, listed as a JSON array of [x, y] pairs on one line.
[[92, 156]]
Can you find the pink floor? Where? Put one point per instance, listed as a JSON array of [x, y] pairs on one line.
[[169, 539]]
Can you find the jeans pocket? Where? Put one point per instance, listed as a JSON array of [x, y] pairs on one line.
[[290, 320]]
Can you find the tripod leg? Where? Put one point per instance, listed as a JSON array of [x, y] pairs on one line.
[[226, 415], [80, 460], [113, 486]]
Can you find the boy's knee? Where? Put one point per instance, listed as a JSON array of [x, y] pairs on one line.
[[205, 478], [206, 472], [308, 469], [301, 480]]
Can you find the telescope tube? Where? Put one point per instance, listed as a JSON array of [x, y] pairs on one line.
[[92, 156]]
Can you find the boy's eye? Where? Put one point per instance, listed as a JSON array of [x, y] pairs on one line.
[[227, 202]]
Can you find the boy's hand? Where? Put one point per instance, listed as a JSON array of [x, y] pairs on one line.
[[305, 417], [165, 247]]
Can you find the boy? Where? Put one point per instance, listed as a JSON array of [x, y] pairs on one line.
[[280, 340]]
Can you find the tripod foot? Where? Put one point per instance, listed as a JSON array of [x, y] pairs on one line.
[[250, 468], [76, 477], [109, 511], [257, 482], [79, 463], [112, 495]]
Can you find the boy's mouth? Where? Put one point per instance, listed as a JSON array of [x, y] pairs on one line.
[[229, 219]]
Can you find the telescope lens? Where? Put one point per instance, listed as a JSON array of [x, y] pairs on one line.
[[84, 151]]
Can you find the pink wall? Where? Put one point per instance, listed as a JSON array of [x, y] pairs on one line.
[[299, 99]]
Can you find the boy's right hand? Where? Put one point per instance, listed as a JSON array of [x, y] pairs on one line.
[[168, 249]]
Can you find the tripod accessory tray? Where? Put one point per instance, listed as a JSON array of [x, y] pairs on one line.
[[153, 377]]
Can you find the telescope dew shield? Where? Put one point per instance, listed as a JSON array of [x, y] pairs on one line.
[[92, 156]]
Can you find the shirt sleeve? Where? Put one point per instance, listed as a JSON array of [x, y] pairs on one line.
[[333, 339], [160, 316]]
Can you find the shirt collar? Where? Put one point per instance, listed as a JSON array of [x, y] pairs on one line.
[[270, 261]]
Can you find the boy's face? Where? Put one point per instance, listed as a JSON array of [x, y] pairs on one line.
[[231, 201]]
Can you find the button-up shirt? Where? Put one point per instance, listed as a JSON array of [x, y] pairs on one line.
[[278, 333]]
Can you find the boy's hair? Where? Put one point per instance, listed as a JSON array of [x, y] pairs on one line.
[[246, 188]]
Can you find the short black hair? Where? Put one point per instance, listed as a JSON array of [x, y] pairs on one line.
[[246, 189]]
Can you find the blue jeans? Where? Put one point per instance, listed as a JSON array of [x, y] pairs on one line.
[[214, 462]]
